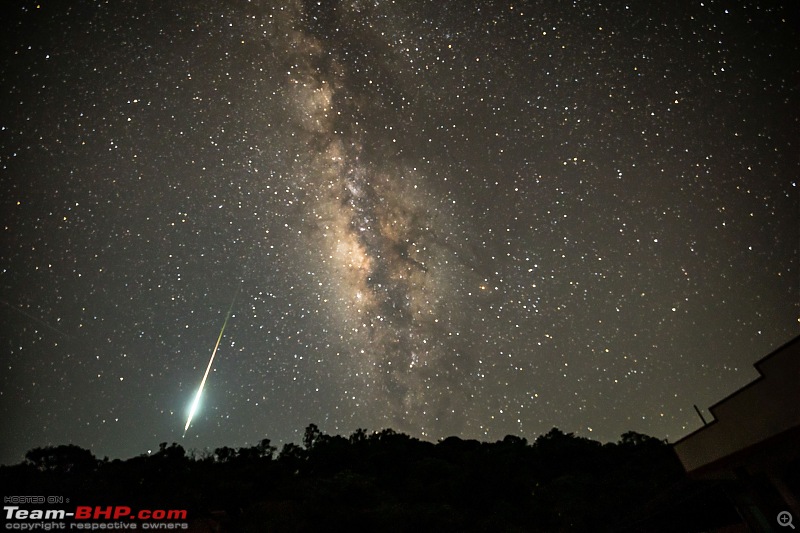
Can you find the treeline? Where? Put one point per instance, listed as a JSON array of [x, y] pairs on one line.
[[388, 481]]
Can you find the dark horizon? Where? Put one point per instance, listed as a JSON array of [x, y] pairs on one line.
[[200, 454], [481, 219], [385, 478]]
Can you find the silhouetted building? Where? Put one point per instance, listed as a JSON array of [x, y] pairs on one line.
[[754, 441]]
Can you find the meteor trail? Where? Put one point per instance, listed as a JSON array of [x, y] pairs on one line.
[[39, 320], [196, 400]]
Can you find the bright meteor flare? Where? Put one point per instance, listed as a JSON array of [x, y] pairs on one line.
[[196, 400]]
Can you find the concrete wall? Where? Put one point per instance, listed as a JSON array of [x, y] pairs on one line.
[[762, 409]]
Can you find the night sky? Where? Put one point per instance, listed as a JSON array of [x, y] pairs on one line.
[[447, 218]]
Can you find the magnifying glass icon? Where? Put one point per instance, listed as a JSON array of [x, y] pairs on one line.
[[785, 519]]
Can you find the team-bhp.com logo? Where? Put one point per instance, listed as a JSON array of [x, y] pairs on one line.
[[120, 511], [87, 517]]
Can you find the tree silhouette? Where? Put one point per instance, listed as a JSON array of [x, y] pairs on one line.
[[66, 458], [394, 482], [359, 435], [225, 454], [292, 456], [311, 436], [265, 449], [172, 453]]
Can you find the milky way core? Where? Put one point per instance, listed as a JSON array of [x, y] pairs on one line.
[[392, 299]]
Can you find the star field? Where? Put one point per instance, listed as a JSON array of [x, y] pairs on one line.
[[479, 219]]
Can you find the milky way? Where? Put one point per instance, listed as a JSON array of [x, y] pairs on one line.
[[393, 301], [480, 219]]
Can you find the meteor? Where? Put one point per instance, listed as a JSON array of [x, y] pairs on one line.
[[196, 400]]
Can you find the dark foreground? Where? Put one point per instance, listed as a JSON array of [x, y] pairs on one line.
[[388, 481]]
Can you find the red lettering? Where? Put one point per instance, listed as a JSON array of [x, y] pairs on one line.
[[99, 513], [83, 512], [121, 511]]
